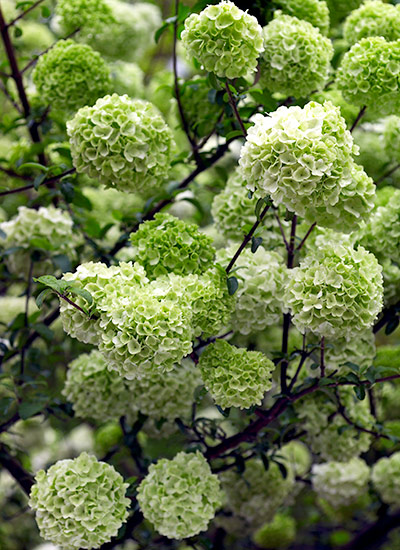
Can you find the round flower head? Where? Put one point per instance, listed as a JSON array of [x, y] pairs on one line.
[[391, 282], [324, 424], [279, 533], [224, 39], [391, 135], [123, 143], [87, 15], [259, 298], [296, 58], [349, 112], [336, 292], [127, 78], [315, 12], [386, 479], [201, 113], [79, 503], [169, 245], [234, 376], [302, 158], [341, 483], [179, 497], [373, 18], [256, 494], [94, 391], [339, 9], [71, 75], [369, 75]]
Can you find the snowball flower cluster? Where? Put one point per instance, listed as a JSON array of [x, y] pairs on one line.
[[169, 245], [79, 503], [224, 39], [279, 533], [369, 75], [259, 298], [315, 12], [71, 75], [235, 377], [373, 18], [127, 78], [391, 136], [179, 497], [341, 483], [336, 292], [123, 143], [386, 479], [302, 157], [87, 15], [296, 58]]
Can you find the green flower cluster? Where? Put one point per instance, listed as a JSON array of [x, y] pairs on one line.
[[386, 479], [391, 282], [336, 292], [47, 229], [127, 78], [179, 497], [349, 112], [235, 377], [296, 57], [201, 113], [341, 483], [259, 298], [71, 75], [169, 245], [224, 39], [369, 75], [277, 534], [79, 503], [11, 306], [324, 425], [123, 143], [233, 211], [391, 135], [315, 12], [256, 494], [129, 34], [373, 18], [87, 15], [302, 157]]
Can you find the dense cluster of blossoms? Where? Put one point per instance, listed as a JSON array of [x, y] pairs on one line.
[[127, 78], [123, 143], [235, 377], [324, 425], [224, 39], [386, 479], [87, 15], [391, 136], [169, 245], [255, 495], [373, 18], [201, 113], [369, 75], [71, 75], [279, 533], [48, 229], [336, 292], [259, 298], [296, 58], [341, 483], [179, 497], [302, 157], [315, 12], [79, 503]]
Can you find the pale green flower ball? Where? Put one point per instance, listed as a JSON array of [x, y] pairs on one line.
[[349, 112], [262, 281], [297, 456], [373, 18], [296, 57], [79, 503], [123, 143], [235, 377], [277, 534], [233, 212], [202, 113], [324, 425], [93, 390], [179, 497], [127, 78], [369, 75], [224, 39], [87, 15], [386, 479], [302, 158], [391, 135], [256, 494], [11, 306], [391, 282], [169, 245], [336, 292], [71, 75], [315, 12], [341, 483]]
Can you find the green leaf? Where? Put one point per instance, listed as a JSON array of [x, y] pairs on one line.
[[360, 392], [41, 297], [44, 331], [46, 12], [42, 243], [37, 182], [17, 32], [33, 166], [27, 409], [81, 292], [255, 243], [232, 284], [62, 262], [234, 134]]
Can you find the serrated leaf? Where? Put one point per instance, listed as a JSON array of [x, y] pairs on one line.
[[232, 284]]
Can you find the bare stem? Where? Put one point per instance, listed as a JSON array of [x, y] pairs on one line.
[[359, 117], [233, 104]]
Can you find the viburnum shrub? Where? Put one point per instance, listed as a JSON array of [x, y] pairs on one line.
[[199, 275]]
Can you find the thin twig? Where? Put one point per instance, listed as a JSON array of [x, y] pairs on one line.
[[282, 231], [24, 478], [33, 61], [10, 99], [13, 174], [387, 174], [305, 237], [359, 117], [233, 104], [322, 361], [49, 181], [35, 5]]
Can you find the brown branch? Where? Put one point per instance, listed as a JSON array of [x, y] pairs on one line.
[[13, 174], [233, 104], [35, 5], [359, 117], [24, 478], [10, 99], [372, 536], [305, 237], [49, 181], [387, 174]]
